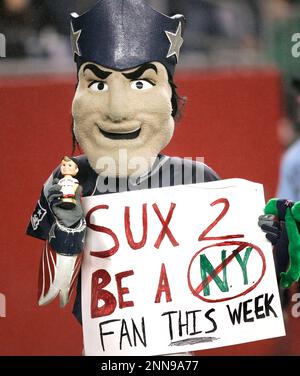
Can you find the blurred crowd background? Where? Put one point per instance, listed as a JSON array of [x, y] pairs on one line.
[[227, 32]]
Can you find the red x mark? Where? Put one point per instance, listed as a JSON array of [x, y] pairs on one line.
[[165, 229]]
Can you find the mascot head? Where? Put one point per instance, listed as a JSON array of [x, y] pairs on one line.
[[125, 101]]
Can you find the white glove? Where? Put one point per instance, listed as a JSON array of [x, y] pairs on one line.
[[58, 275]]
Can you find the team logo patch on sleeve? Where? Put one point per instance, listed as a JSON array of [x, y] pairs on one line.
[[37, 216]]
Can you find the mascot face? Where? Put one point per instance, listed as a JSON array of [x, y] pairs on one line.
[[122, 119]]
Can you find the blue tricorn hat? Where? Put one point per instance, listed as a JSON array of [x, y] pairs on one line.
[[122, 34]]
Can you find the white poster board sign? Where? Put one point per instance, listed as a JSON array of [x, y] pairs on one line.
[[177, 269]]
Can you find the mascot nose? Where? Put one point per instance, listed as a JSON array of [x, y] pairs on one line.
[[118, 105]]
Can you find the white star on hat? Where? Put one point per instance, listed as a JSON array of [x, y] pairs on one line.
[[74, 41], [176, 41]]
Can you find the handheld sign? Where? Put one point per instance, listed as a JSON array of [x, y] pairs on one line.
[[177, 269]]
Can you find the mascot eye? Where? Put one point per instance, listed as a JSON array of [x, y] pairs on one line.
[[141, 85], [98, 86]]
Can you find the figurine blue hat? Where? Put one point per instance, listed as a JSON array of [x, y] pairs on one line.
[[122, 34]]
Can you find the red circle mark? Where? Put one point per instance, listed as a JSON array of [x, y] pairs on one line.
[[241, 245]]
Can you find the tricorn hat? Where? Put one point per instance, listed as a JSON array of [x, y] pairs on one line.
[[122, 34]]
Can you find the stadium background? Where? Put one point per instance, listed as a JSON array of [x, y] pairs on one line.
[[236, 97]]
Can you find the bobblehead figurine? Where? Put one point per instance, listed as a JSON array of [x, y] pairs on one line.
[[68, 183], [124, 111]]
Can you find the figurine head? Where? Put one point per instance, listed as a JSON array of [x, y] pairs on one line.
[[125, 101], [68, 166]]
